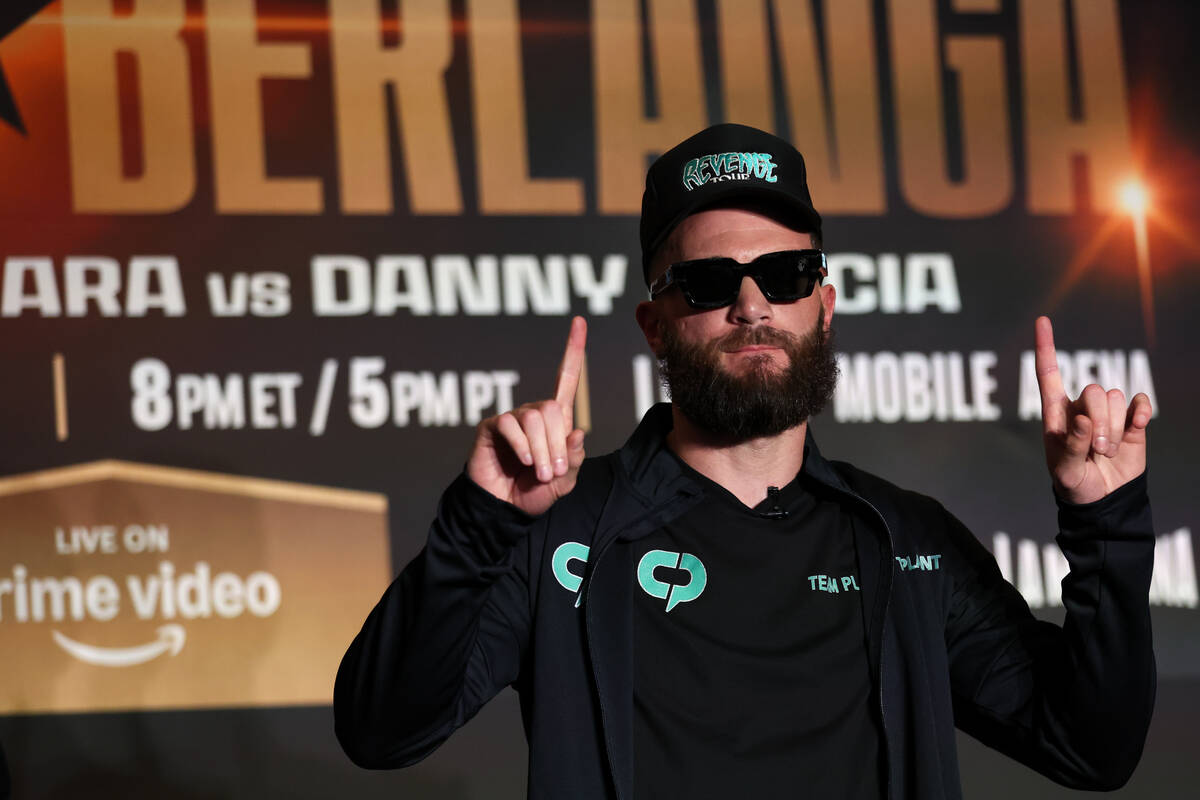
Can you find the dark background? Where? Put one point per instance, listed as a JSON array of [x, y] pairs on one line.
[[989, 474]]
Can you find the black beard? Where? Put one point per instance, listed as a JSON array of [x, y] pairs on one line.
[[765, 401]]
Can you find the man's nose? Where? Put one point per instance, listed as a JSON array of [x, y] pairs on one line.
[[751, 306]]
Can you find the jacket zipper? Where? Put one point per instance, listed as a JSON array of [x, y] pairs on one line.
[[585, 591], [886, 604]]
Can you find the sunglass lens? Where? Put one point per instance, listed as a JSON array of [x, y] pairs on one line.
[[782, 277], [710, 285]]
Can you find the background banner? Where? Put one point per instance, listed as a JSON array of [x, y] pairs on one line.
[[266, 264]]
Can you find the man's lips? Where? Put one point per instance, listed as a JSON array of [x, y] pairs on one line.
[[754, 348]]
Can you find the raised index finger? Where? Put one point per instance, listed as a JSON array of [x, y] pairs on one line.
[[572, 365], [1054, 412]]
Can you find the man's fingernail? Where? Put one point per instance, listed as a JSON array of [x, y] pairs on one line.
[[560, 466], [544, 472], [1101, 443]]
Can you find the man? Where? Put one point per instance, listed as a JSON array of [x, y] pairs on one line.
[[715, 609]]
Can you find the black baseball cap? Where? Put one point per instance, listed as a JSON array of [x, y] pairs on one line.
[[719, 164]]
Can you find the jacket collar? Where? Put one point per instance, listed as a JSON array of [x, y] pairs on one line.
[[652, 470], [653, 474]]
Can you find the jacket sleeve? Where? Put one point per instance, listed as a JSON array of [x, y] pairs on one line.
[[449, 633], [1073, 702]]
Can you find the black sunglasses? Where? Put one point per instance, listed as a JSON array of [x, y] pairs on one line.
[[707, 283]]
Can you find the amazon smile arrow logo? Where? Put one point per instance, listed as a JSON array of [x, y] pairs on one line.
[[171, 639]]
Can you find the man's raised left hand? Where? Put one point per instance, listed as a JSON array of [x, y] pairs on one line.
[[1094, 443]]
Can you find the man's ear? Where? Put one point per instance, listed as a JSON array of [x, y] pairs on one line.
[[828, 295], [649, 320]]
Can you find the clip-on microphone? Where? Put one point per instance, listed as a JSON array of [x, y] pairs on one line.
[[775, 512]]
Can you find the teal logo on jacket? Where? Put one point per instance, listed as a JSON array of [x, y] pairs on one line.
[[673, 593], [925, 563], [564, 554]]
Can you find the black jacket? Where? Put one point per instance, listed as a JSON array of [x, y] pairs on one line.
[[480, 608]]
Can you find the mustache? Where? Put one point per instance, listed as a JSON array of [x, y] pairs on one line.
[[757, 335]]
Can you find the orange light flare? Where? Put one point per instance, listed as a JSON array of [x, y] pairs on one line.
[[1082, 260], [1135, 199], [1177, 230]]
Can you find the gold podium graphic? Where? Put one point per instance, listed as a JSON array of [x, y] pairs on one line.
[[129, 586]]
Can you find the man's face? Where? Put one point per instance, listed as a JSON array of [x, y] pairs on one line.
[[753, 368]]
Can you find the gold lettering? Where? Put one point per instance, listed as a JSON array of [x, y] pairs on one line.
[[986, 186], [236, 64], [1052, 138], [92, 37], [362, 70], [845, 172], [624, 136], [742, 37], [501, 144]]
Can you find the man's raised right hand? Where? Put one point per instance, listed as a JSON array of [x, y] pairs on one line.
[[530, 456]]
